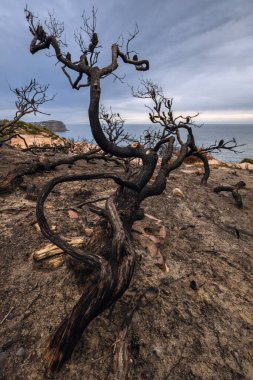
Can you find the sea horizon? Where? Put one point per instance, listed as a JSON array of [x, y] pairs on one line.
[[200, 124], [205, 135]]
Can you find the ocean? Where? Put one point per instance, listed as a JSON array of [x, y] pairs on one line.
[[204, 136]]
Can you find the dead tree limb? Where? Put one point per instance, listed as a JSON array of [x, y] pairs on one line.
[[168, 124], [234, 190], [14, 176]]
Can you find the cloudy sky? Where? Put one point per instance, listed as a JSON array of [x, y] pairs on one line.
[[200, 52]]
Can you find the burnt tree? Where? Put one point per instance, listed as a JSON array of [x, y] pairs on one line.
[[109, 254], [170, 125], [29, 98]]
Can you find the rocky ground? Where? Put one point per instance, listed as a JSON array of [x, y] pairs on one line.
[[198, 321]]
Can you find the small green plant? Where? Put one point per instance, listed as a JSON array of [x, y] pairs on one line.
[[247, 161], [22, 127]]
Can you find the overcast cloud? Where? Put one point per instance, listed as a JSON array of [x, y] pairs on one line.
[[200, 52]]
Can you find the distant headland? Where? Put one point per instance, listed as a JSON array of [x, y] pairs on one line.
[[52, 125]]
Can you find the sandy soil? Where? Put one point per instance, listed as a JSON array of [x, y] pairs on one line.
[[201, 331], [233, 165], [38, 140]]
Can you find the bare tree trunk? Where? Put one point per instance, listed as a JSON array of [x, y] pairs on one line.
[[111, 258], [206, 174], [101, 291]]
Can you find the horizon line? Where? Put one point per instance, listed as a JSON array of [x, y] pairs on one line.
[[201, 124]]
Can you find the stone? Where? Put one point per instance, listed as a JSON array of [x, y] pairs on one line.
[[3, 358], [20, 352], [178, 192]]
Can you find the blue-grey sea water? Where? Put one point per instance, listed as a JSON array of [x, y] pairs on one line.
[[204, 136]]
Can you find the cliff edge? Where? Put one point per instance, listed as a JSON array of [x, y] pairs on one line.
[[52, 125]]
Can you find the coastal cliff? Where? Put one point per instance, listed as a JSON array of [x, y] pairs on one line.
[[52, 125]]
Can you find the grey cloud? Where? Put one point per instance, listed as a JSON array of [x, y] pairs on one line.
[[200, 52]]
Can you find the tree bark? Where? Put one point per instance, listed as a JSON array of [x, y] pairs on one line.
[[110, 259], [103, 287]]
